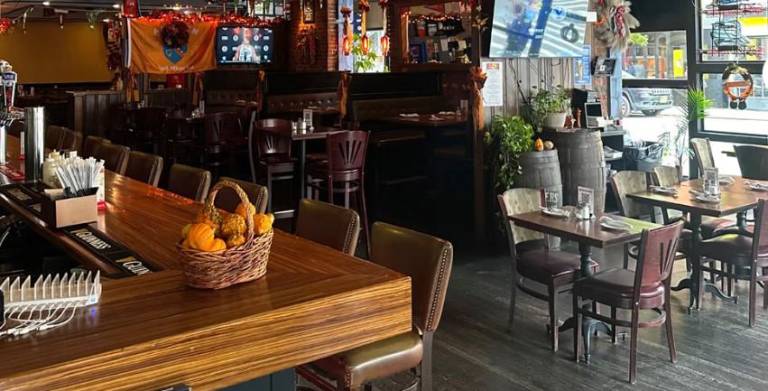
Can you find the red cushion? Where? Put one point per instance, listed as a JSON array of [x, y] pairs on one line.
[[615, 287], [543, 265]]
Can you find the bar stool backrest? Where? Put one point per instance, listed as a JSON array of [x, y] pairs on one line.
[[347, 150], [221, 127]]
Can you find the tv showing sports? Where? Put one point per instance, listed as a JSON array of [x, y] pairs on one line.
[[538, 28], [243, 45]]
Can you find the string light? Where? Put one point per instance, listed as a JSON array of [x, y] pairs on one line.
[[434, 18], [240, 20]]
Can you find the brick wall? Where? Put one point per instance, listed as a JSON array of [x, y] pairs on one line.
[[322, 33]]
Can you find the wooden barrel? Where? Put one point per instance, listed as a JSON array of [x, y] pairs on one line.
[[541, 170], [581, 164]]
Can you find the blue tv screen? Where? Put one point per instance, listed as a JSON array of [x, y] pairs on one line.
[[538, 28], [243, 45]]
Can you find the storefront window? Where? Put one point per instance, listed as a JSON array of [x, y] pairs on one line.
[[656, 55], [734, 30], [751, 119], [659, 125]]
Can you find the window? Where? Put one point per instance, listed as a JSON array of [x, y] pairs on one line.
[[734, 30], [722, 118], [656, 55]]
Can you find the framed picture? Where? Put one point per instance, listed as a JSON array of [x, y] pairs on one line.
[[586, 196], [308, 10]]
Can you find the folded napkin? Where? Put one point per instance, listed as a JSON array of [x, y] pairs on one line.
[[662, 189], [446, 113], [410, 115], [615, 223]]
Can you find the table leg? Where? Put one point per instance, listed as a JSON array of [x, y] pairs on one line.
[[589, 326], [302, 171], [694, 280]]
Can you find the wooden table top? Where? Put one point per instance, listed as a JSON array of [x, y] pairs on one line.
[[734, 198], [152, 331], [583, 231], [428, 120], [319, 133]]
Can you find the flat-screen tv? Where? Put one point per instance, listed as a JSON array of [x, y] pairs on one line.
[[538, 28], [243, 45]]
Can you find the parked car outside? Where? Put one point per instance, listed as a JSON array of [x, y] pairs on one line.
[[649, 101]]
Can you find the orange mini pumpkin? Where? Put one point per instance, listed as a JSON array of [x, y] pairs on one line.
[[200, 237], [538, 145], [217, 245], [241, 208], [262, 223]]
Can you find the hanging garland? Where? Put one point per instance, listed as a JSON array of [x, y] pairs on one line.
[[384, 41], [5, 25], [614, 23], [228, 19], [364, 8]]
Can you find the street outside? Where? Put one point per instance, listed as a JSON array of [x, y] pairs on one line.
[[650, 128]]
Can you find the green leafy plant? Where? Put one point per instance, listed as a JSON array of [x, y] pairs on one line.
[[545, 102], [363, 62], [507, 139], [694, 109], [638, 39]]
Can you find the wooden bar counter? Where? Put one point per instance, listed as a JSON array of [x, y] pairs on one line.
[[151, 331]]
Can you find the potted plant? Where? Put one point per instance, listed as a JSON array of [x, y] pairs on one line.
[[549, 108], [507, 139], [694, 109]]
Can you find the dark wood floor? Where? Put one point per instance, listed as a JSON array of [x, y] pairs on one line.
[[473, 350]]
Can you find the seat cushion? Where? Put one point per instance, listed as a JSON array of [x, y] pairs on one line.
[[543, 265], [731, 248], [711, 225], [374, 361], [615, 288]]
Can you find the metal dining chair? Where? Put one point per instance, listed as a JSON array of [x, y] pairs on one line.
[[645, 288]]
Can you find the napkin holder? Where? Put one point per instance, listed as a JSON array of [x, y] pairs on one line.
[[65, 212]]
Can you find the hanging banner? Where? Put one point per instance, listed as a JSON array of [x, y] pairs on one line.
[[164, 47]]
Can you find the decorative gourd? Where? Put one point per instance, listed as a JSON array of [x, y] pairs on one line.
[[200, 237], [241, 208], [548, 145], [233, 225], [235, 241], [217, 245], [538, 145], [202, 218], [262, 223]]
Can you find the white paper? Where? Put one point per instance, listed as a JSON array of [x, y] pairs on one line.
[[587, 196], [493, 91]]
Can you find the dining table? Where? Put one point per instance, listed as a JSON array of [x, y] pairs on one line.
[[150, 330], [432, 121], [588, 233], [736, 198]]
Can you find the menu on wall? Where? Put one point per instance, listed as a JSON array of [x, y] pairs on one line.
[[493, 91]]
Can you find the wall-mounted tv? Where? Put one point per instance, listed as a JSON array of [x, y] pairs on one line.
[[243, 45], [538, 28]]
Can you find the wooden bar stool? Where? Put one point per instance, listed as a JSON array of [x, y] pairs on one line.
[[91, 143], [146, 134], [190, 182], [269, 144], [144, 167], [220, 138], [343, 172], [428, 261]]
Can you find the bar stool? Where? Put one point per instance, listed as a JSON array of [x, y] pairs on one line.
[[269, 145], [221, 134], [190, 182], [73, 141], [228, 200], [146, 134], [91, 143], [328, 224], [428, 261], [343, 172], [115, 156], [144, 167]]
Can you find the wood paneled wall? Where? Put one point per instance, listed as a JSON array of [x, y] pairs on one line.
[[521, 74]]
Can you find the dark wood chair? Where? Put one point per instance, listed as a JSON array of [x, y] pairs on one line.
[[646, 288], [190, 182], [343, 172], [668, 176], [753, 161], [745, 254], [221, 137], [428, 261], [91, 143], [532, 260], [328, 224], [269, 147], [146, 132], [144, 167], [115, 156], [228, 200]]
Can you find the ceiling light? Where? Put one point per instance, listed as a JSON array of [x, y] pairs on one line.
[[46, 3], [116, 6]]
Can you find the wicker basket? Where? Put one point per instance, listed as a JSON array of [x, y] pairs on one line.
[[220, 269]]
